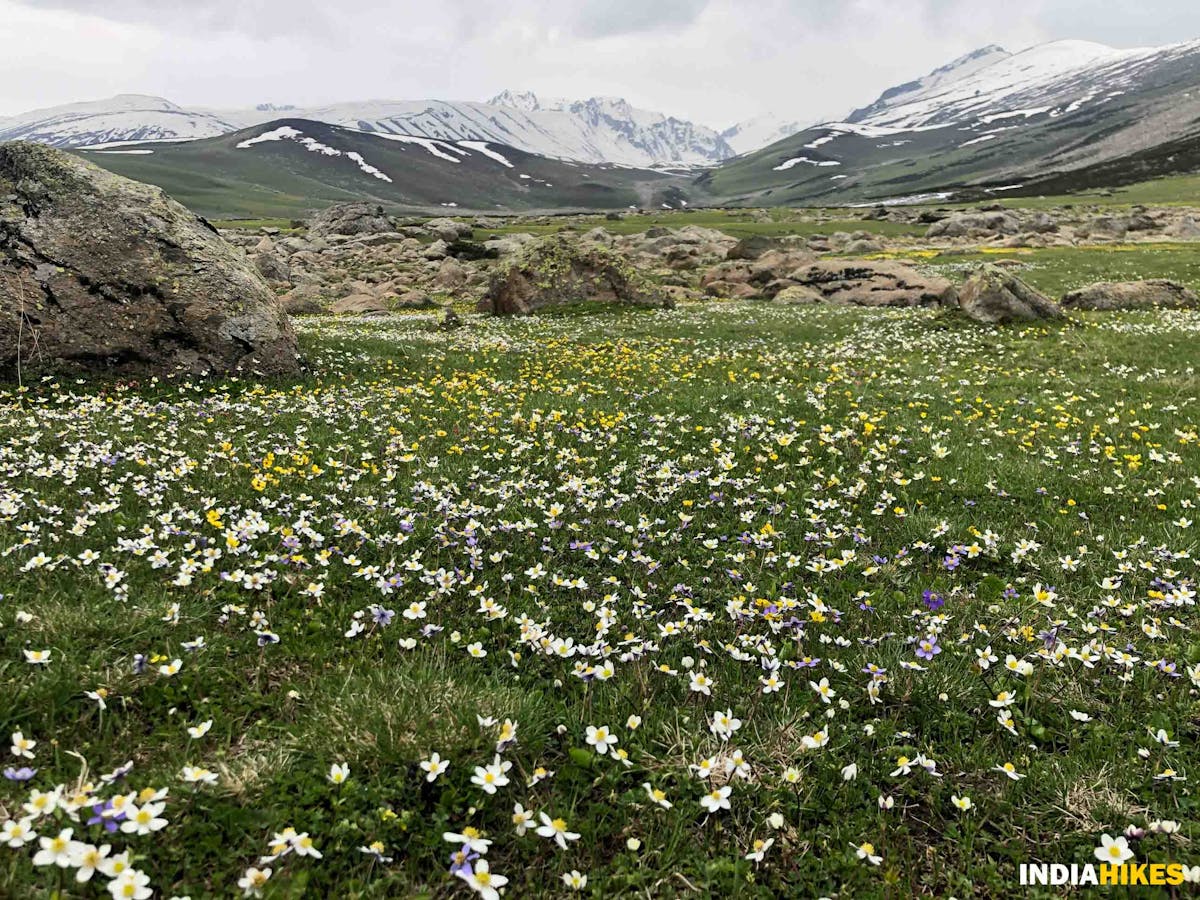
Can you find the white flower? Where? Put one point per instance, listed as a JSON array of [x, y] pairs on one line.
[[556, 830], [144, 819], [1113, 850], [601, 738], [471, 838], [850, 772], [867, 851], [16, 833], [492, 777], [198, 775], [716, 799], [1010, 770], [824, 691], [253, 881], [339, 773], [575, 880], [964, 803], [522, 818], [195, 732], [22, 747], [130, 885], [657, 796], [55, 851], [88, 859], [700, 683], [760, 848], [482, 881], [434, 766]]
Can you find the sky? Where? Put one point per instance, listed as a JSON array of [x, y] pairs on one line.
[[715, 62]]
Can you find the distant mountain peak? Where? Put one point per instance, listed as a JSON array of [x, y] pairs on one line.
[[526, 101]]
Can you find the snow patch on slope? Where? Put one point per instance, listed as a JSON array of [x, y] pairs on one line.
[[482, 147], [288, 133]]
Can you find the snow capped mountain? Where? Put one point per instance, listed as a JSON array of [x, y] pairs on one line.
[[989, 83], [124, 118], [1059, 116], [761, 131], [597, 130]]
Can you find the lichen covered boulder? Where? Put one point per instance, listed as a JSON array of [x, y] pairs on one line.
[[351, 219], [874, 283], [996, 297], [558, 272], [100, 273], [1154, 293]]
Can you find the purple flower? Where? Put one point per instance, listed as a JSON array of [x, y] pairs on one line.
[[927, 647], [111, 823], [933, 601], [460, 862], [22, 774], [382, 616]]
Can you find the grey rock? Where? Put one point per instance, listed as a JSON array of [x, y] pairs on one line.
[[1158, 293], [449, 230], [963, 224], [752, 247], [350, 219], [996, 297], [98, 272]]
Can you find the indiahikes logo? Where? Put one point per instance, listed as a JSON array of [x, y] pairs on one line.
[[1089, 874]]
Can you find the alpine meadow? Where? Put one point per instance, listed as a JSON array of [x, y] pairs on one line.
[[538, 497]]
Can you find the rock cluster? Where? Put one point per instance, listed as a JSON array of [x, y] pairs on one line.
[[558, 272]]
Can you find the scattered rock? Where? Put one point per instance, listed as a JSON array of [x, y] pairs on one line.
[[995, 297], [98, 272], [1156, 293], [272, 267], [963, 224], [449, 230], [350, 219], [798, 294], [360, 304], [557, 272], [874, 283], [305, 300], [471, 250], [751, 247], [1185, 229]]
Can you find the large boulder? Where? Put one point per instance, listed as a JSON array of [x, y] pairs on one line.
[[557, 272], [964, 224], [1157, 293], [752, 247], [448, 230], [98, 272], [359, 305], [350, 219], [874, 283], [995, 297]]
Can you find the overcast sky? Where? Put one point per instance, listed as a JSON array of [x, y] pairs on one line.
[[713, 61]]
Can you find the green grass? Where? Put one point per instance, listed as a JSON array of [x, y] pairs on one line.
[[706, 488], [1057, 270]]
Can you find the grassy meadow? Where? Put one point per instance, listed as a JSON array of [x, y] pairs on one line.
[[734, 600]]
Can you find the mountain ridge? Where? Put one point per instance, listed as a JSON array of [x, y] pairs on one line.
[[595, 130]]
